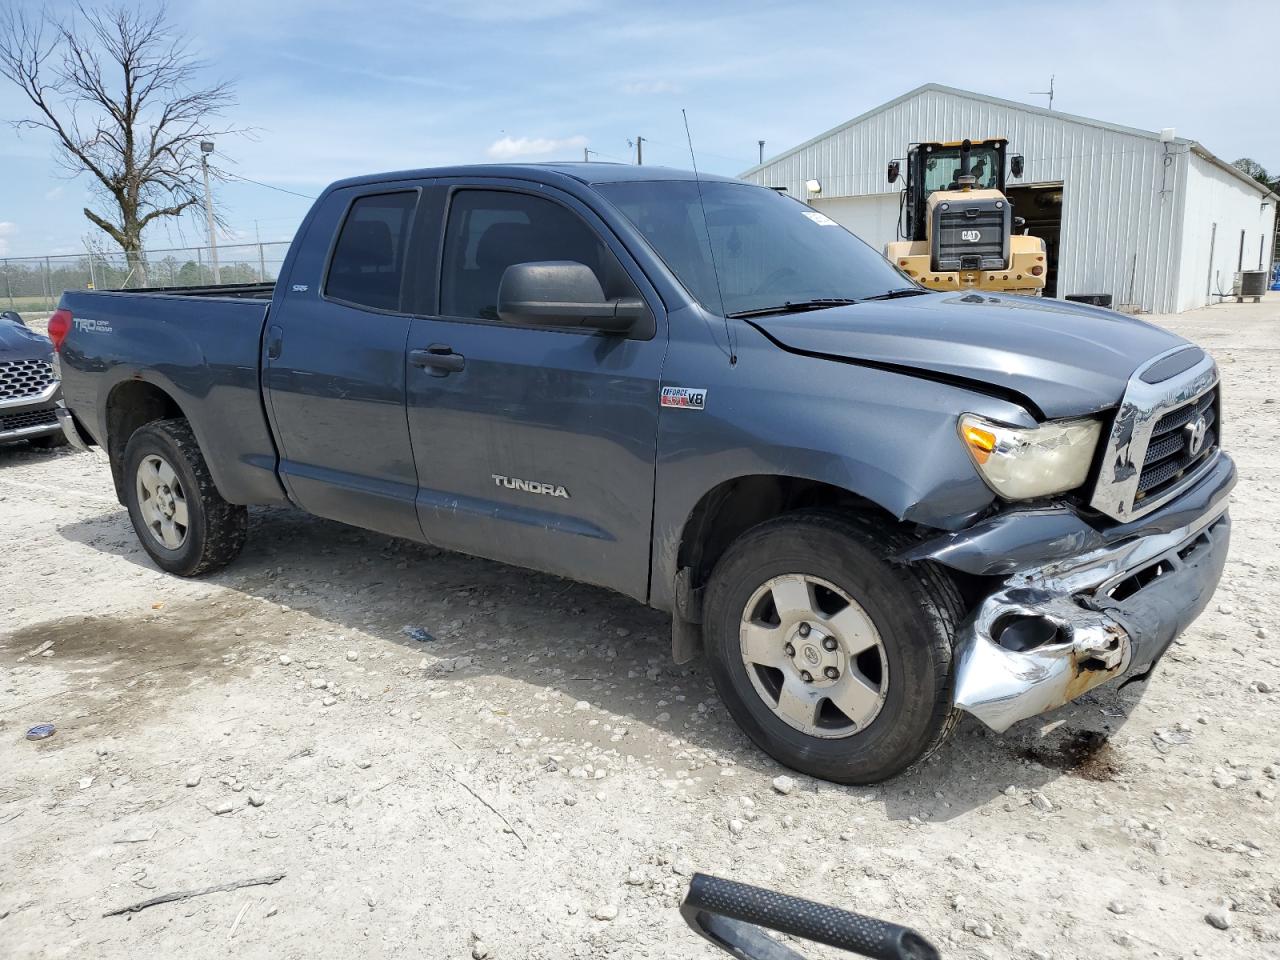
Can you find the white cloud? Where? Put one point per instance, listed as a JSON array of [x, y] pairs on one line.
[[650, 87], [8, 229], [526, 148]]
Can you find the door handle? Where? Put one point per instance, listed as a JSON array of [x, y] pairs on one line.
[[439, 358]]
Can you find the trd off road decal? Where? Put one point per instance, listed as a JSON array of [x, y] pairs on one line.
[[685, 398]]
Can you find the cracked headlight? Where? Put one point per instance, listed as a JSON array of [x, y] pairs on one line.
[[1020, 463]]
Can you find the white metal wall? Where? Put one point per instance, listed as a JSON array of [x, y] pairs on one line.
[[1218, 208], [1121, 196]]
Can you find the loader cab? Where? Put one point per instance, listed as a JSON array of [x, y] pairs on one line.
[[954, 166]]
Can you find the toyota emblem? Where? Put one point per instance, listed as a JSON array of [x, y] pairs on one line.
[[1195, 436]]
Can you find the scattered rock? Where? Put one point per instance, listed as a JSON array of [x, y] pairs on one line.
[[1218, 918], [352, 656], [193, 777], [1118, 908], [581, 706], [736, 827], [479, 950], [285, 659], [606, 911], [784, 784], [256, 799], [318, 684], [980, 929], [225, 807]]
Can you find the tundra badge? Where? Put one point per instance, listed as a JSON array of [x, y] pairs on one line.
[[530, 486]]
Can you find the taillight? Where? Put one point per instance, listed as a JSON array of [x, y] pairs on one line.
[[59, 327]]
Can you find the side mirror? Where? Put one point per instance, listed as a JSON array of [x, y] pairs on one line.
[[562, 293], [894, 170], [1015, 165], [13, 318]]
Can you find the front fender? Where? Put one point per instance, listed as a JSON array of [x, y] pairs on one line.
[[884, 436]]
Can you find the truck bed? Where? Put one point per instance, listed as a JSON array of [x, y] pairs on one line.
[[200, 346]]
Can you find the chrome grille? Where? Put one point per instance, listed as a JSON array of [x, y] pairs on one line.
[[1169, 455], [22, 379], [1165, 436]]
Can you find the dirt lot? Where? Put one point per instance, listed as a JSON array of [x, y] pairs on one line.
[[536, 779]]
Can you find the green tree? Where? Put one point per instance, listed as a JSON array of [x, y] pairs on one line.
[[1252, 168]]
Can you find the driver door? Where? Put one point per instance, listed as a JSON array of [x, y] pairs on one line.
[[534, 445]]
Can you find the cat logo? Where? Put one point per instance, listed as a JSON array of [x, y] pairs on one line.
[[971, 236], [530, 486]]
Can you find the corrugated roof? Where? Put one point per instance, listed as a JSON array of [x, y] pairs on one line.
[[1027, 107]]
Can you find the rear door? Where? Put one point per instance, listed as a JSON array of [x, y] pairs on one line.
[[334, 362], [534, 445]]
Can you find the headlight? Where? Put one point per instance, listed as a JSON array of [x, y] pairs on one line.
[[1020, 463]]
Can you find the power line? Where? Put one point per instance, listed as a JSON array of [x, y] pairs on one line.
[[259, 183]]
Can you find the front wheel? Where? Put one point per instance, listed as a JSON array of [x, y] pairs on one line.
[[833, 659], [177, 512]]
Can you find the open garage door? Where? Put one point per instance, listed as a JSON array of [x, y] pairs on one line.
[[1040, 205]]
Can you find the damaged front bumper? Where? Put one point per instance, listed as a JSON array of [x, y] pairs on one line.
[[1058, 629]]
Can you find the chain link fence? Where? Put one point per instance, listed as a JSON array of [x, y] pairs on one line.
[[33, 284]]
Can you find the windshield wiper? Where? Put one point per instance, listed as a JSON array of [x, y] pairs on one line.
[[894, 294], [795, 306]]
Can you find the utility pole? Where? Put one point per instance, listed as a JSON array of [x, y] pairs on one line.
[[206, 148], [1046, 93], [586, 155], [761, 142], [639, 151]]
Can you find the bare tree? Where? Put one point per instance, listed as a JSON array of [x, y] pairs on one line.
[[121, 98]]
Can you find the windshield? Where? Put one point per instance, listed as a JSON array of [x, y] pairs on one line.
[[769, 250], [942, 166]]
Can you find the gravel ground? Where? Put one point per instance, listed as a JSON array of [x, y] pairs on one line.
[[524, 773]]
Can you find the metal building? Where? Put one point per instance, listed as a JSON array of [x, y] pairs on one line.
[[1154, 220]]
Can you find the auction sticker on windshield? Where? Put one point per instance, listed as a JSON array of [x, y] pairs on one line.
[[686, 398], [821, 219]]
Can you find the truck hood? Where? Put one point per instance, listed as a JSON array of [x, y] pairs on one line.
[[19, 343], [1060, 359]]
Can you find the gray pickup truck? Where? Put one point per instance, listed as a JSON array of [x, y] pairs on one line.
[[870, 506]]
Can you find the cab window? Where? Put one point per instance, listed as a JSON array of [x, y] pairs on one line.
[[368, 260], [489, 230]]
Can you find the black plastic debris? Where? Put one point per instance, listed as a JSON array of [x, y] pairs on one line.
[[41, 731], [418, 634]]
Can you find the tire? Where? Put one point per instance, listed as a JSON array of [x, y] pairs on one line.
[[895, 696], [49, 441], [167, 482]]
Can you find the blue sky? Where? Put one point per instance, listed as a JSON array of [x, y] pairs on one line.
[[334, 89]]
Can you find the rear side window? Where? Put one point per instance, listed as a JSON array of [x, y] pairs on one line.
[[368, 261], [489, 230]]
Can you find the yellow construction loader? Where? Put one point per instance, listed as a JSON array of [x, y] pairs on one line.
[[957, 225]]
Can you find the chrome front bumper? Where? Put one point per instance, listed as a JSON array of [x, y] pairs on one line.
[[1053, 632]]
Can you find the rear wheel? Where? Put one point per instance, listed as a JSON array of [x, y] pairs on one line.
[[833, 659], [180, 518]]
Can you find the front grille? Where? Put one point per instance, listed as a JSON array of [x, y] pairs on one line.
[[957, 248], [27, 419], [1169, 456], [24, 378]]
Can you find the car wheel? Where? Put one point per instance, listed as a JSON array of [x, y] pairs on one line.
[[179, 516], [833, 659]]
